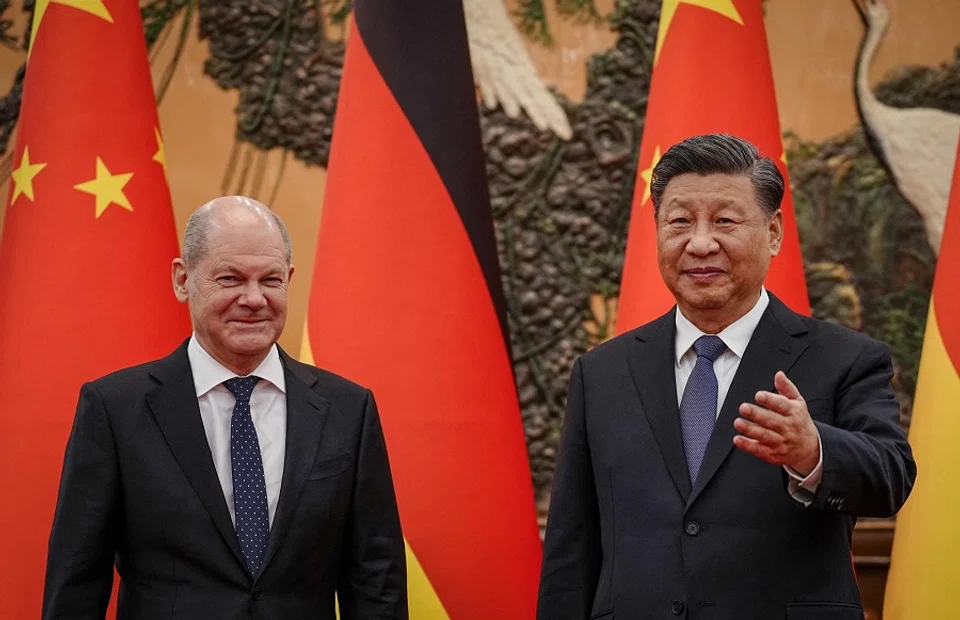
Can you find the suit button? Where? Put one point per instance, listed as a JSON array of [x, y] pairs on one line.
[[692, 528], [677, 608], [257, 594]]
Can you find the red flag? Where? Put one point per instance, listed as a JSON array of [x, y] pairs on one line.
[[407, 300], [84, 257], [711, 74]]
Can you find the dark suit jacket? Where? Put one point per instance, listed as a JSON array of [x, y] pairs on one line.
[[139, 487], [629, 539]]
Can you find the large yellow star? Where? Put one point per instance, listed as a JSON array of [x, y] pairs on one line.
[[647, 175], [94, 7], [669, 9], [161, 155], [23, 177], [108, 188]]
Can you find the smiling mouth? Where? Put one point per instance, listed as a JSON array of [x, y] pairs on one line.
[[703, 273]]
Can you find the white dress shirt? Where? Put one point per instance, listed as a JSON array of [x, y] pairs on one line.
[[736, 336], [268, 408]]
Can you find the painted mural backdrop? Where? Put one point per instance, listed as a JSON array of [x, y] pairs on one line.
[[869, 202]]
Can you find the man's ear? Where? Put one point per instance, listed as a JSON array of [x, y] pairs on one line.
[[179, 273], [776, 232]]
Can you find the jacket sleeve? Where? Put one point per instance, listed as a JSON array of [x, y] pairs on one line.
[[868, 466], [80, 559], [373, 574], [572, 554]]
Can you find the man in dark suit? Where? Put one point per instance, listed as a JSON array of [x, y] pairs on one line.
[[714, 461], [227, 481]]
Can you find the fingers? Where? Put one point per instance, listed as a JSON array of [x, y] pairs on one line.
[[757, 449], [774, 402], [785, 386], [761, 434], [763, 417]]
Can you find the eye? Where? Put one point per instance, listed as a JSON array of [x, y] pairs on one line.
[[679, 220], [228, 279], [274, 281]]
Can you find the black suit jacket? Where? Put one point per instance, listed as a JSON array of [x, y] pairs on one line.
[[139, 487], [629, 538]]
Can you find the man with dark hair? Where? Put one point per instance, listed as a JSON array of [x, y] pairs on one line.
[[714, 461]]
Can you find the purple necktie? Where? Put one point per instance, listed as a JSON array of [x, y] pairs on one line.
[[698, 407]]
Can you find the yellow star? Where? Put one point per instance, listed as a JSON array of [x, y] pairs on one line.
[[161, 155], [647, 175], [783, 157], [108, 188], [23, 177], [94, 7], [669, 8]]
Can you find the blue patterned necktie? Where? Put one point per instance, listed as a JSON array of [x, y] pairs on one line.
[[249, 486], [698, 407]]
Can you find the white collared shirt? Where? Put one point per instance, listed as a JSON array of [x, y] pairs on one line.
[[268, 408], [736, 336]]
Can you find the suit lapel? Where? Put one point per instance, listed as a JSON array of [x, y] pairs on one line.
[[306, 414], [175, 407], [772, 347], [651, 363]]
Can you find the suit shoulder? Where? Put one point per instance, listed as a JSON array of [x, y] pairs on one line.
[[331, 384], [616, 347], [833, 334], [125, 378]]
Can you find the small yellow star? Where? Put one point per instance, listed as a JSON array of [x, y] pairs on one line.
[[669, 8], [161, 155], [23, 177], [647, 175], [94, 7], [783, 157], [108, 188]]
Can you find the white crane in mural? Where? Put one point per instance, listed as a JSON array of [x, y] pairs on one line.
[[503, 69], [917, 145]]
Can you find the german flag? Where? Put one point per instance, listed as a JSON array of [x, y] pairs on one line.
[[407, 300], [924, 570], [711, 74], [84, 257]]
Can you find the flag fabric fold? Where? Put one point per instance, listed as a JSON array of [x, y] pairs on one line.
[[924, 569], [407, 300], [711, 74], [85, 256]]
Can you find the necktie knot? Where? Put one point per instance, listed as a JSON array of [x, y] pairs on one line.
[[241, 387], [709, 347]]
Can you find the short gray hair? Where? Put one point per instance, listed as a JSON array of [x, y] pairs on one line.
[[197, 235], [719, 153]]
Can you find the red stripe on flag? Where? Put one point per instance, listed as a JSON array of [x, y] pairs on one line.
[[946, 291]]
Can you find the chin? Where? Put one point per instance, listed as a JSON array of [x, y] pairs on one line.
[[703, 298], [252, 343]]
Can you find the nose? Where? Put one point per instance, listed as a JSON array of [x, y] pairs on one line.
[[253, 296], [702, 241]]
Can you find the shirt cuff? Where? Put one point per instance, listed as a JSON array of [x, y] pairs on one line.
[[803, 489]]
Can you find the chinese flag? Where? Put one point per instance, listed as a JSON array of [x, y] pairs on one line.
[[407, 300], [711, 74], [924, 571], [84, 257]]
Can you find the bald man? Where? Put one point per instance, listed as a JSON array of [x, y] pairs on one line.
[[227, 480]]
